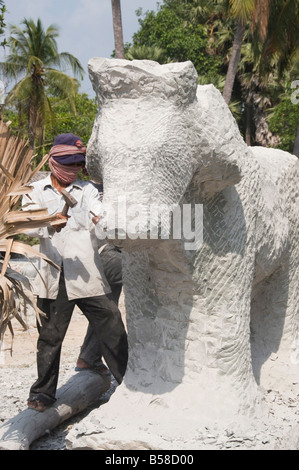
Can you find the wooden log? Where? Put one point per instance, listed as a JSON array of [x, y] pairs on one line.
[[81, 391]]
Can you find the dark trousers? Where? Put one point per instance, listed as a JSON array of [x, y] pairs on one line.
[[106, 322], [91, 351]]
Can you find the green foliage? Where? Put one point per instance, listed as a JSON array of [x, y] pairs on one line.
[[203, 31], [79, 123], [2, 22], [281, 40], [180, 41], [32, 241], [283, 122], [65, 120], [198, 30], [147, 52], [35, 62]]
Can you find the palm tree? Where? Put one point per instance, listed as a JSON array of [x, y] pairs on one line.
[[241, 10], [274, 27], [34, 60], [282, 45], [2, 23], [280, 39], [118, 30], [209, 12]]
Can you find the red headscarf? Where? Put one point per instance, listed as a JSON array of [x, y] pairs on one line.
[[67, 150], [65, 174]]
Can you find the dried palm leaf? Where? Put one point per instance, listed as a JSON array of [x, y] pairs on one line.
[[22, 248], [16, 172]]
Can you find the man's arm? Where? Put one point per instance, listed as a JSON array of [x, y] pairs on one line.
[[34, 201]]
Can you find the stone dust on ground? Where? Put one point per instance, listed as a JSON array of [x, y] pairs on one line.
[[18, 373]]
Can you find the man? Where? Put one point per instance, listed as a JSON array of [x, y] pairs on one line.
[[72, 244]]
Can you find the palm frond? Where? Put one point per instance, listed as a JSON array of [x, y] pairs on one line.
[[20, 91], [66, 59], [62, 85], [18, 40], [16, 172], [242, 9]]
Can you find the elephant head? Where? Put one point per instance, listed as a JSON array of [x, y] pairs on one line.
[[154, 134]]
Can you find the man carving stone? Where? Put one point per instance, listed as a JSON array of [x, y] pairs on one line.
[[73, 246]]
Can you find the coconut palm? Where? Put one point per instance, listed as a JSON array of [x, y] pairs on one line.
[[274, 27], [118, 30], [34, 61], [242, 11]]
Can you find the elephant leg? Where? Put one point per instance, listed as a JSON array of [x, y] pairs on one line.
[[274, 330], [190, 359]]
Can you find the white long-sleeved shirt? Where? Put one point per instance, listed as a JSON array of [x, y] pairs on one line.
[[75, 247]]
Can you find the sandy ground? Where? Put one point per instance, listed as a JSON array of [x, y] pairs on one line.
[[18, 373]]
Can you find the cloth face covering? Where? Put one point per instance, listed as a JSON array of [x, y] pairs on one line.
[[65, 174]]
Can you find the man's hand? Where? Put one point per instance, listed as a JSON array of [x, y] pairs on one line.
[[95, 218], [60, 221]]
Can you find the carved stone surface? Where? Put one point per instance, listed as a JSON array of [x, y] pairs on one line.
[[210, 329]]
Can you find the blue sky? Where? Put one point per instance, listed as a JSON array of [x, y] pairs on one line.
[[85, 26]]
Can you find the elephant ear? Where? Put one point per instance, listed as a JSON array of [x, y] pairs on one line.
[[117, 78], [223, 149]]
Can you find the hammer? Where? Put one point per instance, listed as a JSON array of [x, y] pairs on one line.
[[70, 201]]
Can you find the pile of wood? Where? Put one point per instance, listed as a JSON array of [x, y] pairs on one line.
[[16, 172]]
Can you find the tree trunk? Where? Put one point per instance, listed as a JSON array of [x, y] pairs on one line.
[[33, 116], [82, 390], [296, 144], [233, 62], [117, 29], [32, 126]]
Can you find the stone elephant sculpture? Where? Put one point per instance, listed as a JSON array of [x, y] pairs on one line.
[[203, 324]]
